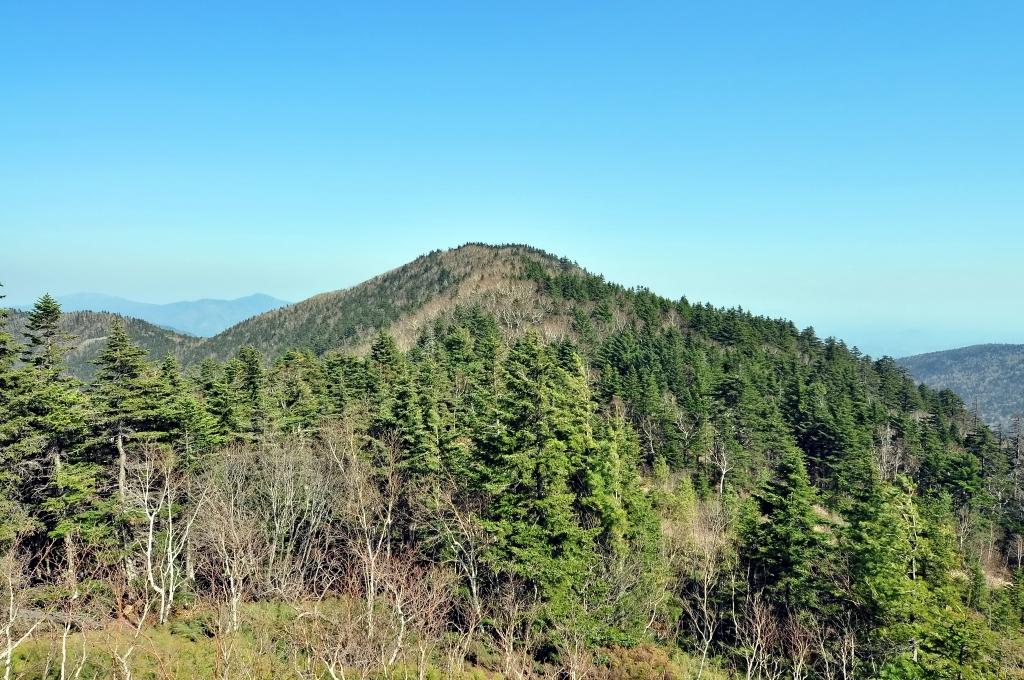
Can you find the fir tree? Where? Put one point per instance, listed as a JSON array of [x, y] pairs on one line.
[[42, 411], [47, 342], [542, 447], [781, 541], [127, 401]]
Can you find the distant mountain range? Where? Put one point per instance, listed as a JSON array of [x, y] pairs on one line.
[[201, 318], [991, 375]]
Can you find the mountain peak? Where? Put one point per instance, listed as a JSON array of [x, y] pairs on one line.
[[403, 299]]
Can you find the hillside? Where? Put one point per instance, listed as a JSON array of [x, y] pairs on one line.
[[406, 300], [992, 375], [534, 462], [90, 331]]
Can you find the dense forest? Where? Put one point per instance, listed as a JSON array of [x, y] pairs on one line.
[[990, 378], [666, 490]]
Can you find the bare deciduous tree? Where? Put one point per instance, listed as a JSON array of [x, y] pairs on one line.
[[965, 524], [18, 622], [460, 534], [368, 502], [720, 459], [420, 598], [333, 633], [890, 453], [758, 634], [511, 610], [231, 539], [76, 596], [296, 492], [572, 639], [700, 562], [123, 638], [799, 643], [157, 489], [836, 649]]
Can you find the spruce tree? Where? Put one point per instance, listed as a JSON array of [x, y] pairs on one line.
[[126, 400], [42, 411], [249, 380], [47, 342], [540, 451], [190, 427], [781, 542]]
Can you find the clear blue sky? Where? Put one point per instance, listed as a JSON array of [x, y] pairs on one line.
[[854, 166]]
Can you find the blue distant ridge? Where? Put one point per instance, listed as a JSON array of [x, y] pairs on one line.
[[202, 318]]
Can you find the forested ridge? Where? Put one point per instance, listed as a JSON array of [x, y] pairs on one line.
[[990, 378], [402, 300], [90, 331], [550, 475]]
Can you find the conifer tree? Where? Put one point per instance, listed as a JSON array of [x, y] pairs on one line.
[[297, 393], [249, 379], [188, 424], [42, 411], [540, 450], [127, 401], [780, 539], [47, 342], [217, 398]]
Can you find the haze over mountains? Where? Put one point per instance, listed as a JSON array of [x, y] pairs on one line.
[[408, 299], [202, 318]]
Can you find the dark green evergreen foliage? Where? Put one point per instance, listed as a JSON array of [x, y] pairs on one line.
[[90, 330], [537, 471], [190, 426], [42, 413], [246, 377], [47, 341], [852, 499], [783, 540], [126, 389], [571, 284]]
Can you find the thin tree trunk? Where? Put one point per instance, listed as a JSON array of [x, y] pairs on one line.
[[122, 470]]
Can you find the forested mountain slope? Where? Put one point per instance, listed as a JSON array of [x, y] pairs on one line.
[[522, 287], [90, 331], [535, 473], [992, 375], [406, 298]]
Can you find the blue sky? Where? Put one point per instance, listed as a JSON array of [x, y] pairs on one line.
[[854, 166]]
